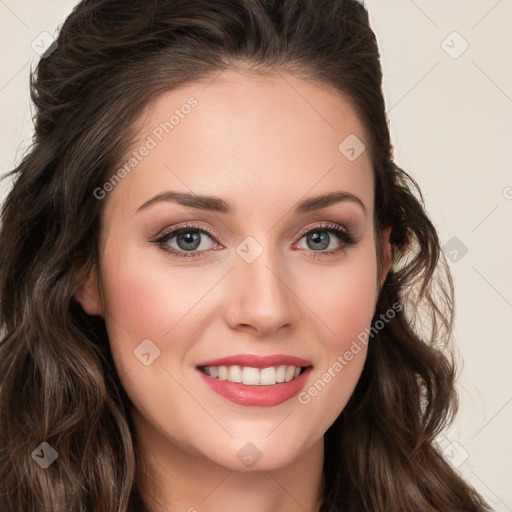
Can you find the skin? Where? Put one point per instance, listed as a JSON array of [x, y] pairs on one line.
[[263, 144]]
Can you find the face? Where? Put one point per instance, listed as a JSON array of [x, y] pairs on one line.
[[258, 284]]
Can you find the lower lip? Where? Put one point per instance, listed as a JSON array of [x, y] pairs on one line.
[[257, 396]]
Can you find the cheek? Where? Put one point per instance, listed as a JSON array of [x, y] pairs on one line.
[[346, 308], [139, 297], [149, 301], [343, 297], [145, 294]]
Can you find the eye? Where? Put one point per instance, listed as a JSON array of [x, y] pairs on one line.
[[319, 238], [189, 239]]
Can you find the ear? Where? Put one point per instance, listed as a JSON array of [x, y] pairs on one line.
[[387, 256], [88, 295]]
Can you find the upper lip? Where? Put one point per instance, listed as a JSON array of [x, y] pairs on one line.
[[256, 361]]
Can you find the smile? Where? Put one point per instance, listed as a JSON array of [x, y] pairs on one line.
[[251, 376], [255, 380]]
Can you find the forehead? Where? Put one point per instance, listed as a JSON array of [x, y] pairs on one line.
[[252, 139]]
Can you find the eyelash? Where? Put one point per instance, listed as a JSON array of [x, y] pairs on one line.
[[347, 239]]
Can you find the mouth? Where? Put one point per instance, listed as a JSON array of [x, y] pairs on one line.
[[251, 376], [251, 380]]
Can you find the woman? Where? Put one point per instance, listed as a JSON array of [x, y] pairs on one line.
[[211, 272]]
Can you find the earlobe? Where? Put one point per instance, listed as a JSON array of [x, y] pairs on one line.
[[88, 295]]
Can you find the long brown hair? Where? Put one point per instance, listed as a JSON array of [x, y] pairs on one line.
[[57, 378]]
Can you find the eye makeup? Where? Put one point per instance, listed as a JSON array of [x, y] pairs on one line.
[[346, 237]]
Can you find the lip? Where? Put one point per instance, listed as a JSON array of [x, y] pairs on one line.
[[257, 396], [256, 361]]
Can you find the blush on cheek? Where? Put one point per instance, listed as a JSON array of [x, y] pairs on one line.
[[143, 300], [355, 312], [347, 303], [151, 302]]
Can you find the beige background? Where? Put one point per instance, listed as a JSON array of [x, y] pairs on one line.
[[451, 122]]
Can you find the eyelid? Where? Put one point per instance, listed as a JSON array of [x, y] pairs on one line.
[[323, 225], [187, 225], [213, 233]]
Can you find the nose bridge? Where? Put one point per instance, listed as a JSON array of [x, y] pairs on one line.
[[262, 297]]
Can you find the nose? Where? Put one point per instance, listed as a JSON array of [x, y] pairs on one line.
[[261, 296]]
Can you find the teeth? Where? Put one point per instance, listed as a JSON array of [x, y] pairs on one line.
[[251, 376], [290, 371], [281, 371], [254, 376], [235, 374], [268, 376]]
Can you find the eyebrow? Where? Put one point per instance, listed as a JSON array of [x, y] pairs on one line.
[[216, 204]]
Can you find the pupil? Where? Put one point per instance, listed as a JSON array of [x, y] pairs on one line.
[[190, 239], [321, 241]]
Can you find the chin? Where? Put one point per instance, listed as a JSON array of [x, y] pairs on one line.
[[261, 454]]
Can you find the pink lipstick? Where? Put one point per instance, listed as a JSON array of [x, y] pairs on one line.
[[259, 381]]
